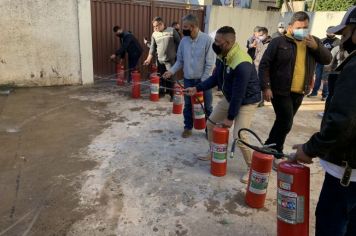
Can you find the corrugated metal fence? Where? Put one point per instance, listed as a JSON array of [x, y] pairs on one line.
[[134, 16]]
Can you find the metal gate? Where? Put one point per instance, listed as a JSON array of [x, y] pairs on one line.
[[134, 16]]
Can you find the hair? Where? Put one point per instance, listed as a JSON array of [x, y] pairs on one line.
[[299, 16], [256, 29], [158, 19], [174, 23], [191, 19], [116, 28], [228, 33], [263, 29]]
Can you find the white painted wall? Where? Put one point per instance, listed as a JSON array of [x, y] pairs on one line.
[[39, 42], [242, 20]]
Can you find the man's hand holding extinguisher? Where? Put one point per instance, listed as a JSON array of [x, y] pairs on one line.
[[191, 91]]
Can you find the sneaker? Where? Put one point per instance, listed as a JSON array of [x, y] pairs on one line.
[[261, 104], [311, 95], [186, 133], [205, 158], [244, 178], [276, 163]]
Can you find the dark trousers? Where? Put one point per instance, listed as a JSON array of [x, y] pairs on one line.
[[133, 60], [319, 70], [285, 107], [166, 85], [187, 111], [336, 209]]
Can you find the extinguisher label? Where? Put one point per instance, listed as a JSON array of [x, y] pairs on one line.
[[258, 182], [154, 88], [285, 177], [290, 207], [219, 152], [177, 99], [198, 112]]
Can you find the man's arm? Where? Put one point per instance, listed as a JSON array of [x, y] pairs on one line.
[[210, 60], [339, 124], [209, 83], [321, 54], [153, 47], [242, 74], [126, 42], [180, 59]]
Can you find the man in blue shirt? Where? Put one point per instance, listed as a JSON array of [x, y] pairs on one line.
[[196, 56]]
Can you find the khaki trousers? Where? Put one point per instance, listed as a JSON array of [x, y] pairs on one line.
[[242, 120]]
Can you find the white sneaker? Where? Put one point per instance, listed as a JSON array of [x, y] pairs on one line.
[[244, 178], [276, 163]]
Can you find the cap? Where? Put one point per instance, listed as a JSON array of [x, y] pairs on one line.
[[349, 18], [281, 25]]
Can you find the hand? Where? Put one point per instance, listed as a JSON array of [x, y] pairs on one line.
[[190, 91], [112, 57], [147, 62], [145, 41], [267, 95], [228, 123], [300, 155], [167, 74], [254, 44], [311, 43]]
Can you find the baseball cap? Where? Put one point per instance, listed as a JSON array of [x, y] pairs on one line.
[[349, 18], [281, 25]]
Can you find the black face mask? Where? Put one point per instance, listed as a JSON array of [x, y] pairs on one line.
[[120, 35], [187, 32], [217, 49], [330, 36], [349, 46]]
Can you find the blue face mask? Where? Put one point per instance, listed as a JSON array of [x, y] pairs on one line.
[[300, 34]]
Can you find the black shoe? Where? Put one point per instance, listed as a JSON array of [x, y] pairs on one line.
[[171, 99]]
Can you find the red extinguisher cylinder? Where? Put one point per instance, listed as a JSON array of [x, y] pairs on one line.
[[198, 111], [120, 74], [154, 95], [293, 192], [219, 151], [260, 170], [136, 88], [177, 99]]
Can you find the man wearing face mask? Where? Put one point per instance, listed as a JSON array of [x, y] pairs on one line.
[[286, 71], [237, 78], [329, 42], [280, 31], [335, 143], [164, 44], [130, 45], [197, 58]]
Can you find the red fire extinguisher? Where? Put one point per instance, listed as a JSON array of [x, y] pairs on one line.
[[177, 99], [293, 181], [136, 88], [120, 74], [219, 151], [260, 170], [198, 111], [154, 95], [154, 68]]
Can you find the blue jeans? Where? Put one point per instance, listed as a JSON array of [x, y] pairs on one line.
[[318, 78], [187, 112], [336, 209]]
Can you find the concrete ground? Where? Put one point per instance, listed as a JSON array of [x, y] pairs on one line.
[[93, 161]]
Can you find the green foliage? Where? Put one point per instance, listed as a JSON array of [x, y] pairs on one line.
[[334, 5]]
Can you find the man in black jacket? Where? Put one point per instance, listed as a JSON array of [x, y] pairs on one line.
[[286, 72], [130, 45], [335, 144]]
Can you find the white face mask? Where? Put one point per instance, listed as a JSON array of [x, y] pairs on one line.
[[300, 34], [281, 30], [262, 38]]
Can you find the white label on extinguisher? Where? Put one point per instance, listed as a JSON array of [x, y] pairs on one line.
[[219, 152], [198, 112], [258, 182], [154, 88], [177, 99], [290, 207]]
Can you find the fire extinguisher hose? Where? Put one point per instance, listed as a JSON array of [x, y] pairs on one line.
[[266, 149]]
